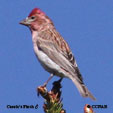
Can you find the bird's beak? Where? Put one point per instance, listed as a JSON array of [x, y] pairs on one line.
[[25, 22]]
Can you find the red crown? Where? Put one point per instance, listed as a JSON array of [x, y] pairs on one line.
[[35, 11]]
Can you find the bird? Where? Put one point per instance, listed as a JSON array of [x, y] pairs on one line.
[[88, 109], [52, 51]]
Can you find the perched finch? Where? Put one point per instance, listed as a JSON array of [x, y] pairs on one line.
[[52, 51], [88, 109]]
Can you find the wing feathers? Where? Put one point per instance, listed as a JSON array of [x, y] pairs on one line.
[[54, 53], [58, 51]]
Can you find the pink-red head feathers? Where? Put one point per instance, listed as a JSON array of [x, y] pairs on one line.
[[36, 11], [37, 19]]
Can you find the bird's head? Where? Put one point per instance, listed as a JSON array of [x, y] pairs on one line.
[[36, 19]]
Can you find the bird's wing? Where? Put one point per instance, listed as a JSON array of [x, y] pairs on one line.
[[64, 59], [58, 51]]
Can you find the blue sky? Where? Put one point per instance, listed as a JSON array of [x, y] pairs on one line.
[[87, 27]]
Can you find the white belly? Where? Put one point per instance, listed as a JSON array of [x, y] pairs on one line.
[[46, 62]]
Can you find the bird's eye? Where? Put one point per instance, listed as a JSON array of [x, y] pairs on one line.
[[33, 17]]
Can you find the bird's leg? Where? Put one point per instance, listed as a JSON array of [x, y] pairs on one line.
[[51, 76]]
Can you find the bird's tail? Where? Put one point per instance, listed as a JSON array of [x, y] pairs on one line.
[[83, 89]]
